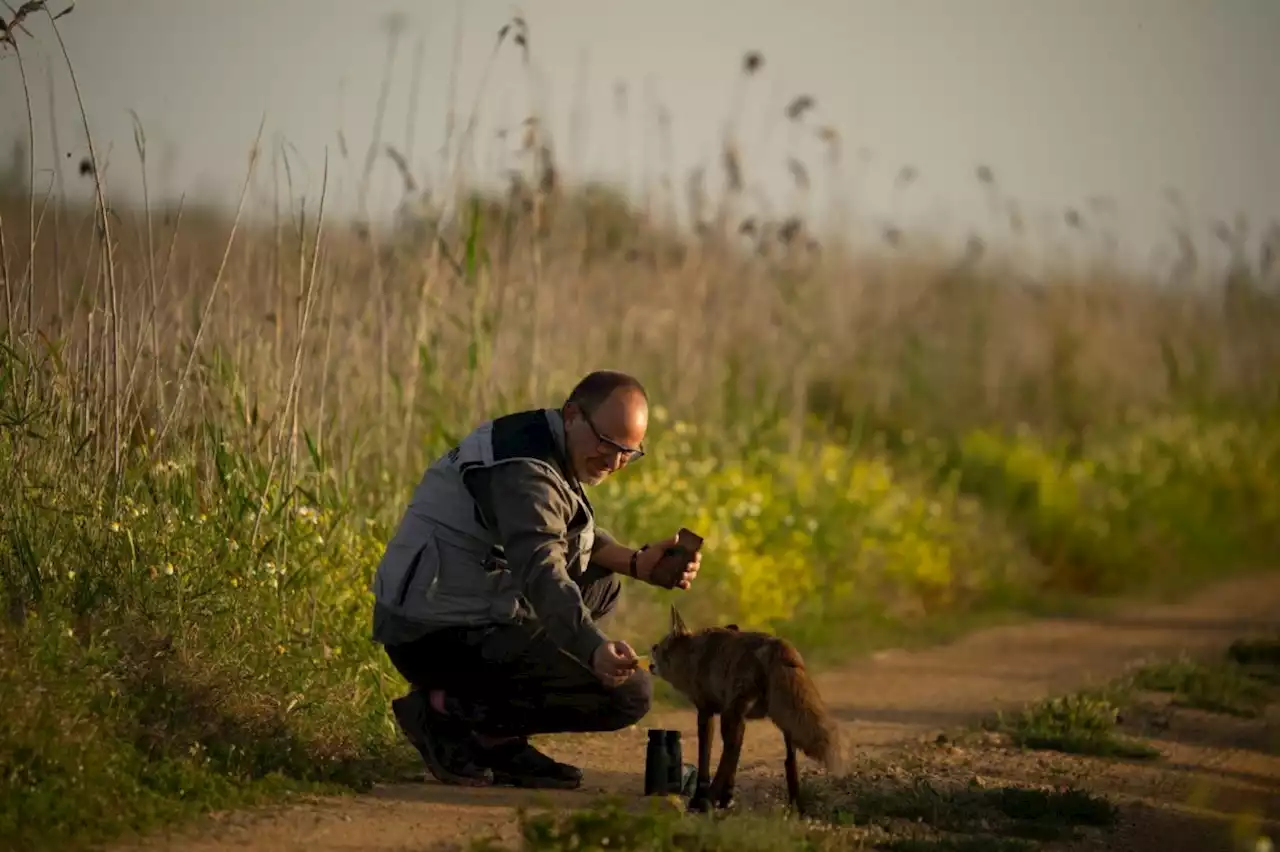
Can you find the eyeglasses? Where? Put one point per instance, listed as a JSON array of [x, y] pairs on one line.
[[629, 454]]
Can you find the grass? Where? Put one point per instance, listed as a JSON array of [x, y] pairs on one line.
[[1243, 682], [848, 813], [962, 844], [209, 424], [1081, 723], [614, 825], [961, 812]]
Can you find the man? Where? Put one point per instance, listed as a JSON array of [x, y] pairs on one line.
[[490, 596]]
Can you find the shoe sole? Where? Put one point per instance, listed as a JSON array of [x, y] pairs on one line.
[[535, 782], [426, 749]]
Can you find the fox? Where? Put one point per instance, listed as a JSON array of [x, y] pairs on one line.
[[742, 675]]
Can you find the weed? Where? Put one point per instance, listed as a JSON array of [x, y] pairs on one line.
[[1218, 687], [656, 827], [1081, 723], [959, 844], [966, 816]]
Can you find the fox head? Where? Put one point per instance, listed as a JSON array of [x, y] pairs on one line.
[[671, 658]]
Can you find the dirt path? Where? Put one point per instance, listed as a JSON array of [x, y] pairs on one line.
[[888, 699]]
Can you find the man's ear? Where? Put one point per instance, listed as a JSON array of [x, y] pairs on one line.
[[678, 627]]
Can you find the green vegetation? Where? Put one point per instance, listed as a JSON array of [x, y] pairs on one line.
[[208, 427], [1242, 683], [1081, 723], [962, 812], [849, 813], [1223, 687], [657, 827]]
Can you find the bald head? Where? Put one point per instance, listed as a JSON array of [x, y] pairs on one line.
[[606, 416]]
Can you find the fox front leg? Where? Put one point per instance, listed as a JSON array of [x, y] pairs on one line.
[[733, 727], [701, 799]]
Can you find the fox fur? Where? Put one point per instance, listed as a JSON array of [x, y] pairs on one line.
[[741, 675]]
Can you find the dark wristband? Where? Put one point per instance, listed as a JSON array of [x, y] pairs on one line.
[[635, 554]]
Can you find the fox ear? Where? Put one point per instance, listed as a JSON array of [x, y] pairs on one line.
[[677, 623]]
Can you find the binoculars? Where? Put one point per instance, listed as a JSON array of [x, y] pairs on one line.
[[665, 772]]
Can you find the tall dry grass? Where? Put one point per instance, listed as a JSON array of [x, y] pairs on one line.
[[427, 325], [532, 289]]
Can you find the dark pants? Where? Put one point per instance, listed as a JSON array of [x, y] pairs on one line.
[[514, 681]]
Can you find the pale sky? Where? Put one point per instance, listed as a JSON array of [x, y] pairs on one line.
[[1063, 100]]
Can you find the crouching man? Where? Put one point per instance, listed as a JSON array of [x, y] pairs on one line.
[[490, 596]]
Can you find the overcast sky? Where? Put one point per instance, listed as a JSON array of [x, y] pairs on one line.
[[1063, 100]]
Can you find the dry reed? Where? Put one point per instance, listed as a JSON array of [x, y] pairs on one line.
[[441, 320]]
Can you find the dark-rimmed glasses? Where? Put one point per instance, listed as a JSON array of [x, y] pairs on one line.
[[629, 454]]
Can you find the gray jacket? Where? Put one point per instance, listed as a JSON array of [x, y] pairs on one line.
[[496, 532]]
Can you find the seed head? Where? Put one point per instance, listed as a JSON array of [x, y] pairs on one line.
[[790, 229], [799, 106], [732, 162], [798, 172]]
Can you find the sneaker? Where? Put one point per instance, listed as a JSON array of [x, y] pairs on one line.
[[519, 764], [445, 747]]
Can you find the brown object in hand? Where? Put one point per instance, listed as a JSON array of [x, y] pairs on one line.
[[670, 568]]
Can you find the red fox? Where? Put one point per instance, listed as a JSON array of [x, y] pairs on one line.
[[743, 675]]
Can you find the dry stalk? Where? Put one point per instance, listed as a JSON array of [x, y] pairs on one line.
[[152, 312], [28, 274], [213, 291], [295, 380], [106, 255], [4, 272]]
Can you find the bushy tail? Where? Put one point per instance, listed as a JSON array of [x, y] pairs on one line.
[[797, 708]]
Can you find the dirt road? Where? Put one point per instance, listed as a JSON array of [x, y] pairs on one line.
[[887, 699]]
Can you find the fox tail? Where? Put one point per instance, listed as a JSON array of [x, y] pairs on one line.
[[796, 707]]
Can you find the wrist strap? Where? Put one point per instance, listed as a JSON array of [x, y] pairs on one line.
[[635, 554]]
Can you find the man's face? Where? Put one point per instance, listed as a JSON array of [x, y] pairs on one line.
[[608, 438]]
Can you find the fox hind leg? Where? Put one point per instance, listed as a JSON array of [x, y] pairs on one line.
[[793, 774], [701, 798]]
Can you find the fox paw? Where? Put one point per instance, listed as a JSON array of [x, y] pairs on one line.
[[700, 802]]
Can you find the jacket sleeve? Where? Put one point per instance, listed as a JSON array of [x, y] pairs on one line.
[[602, 538], [531, 512]]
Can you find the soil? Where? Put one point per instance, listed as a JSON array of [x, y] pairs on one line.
[[896, 708]]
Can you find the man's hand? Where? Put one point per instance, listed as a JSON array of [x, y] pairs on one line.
[[614, 662], [652, 556]]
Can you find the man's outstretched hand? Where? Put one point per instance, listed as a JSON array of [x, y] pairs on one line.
[[651, 568], [614, 662]]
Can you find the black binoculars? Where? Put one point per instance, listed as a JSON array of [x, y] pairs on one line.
[[665, 772]]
